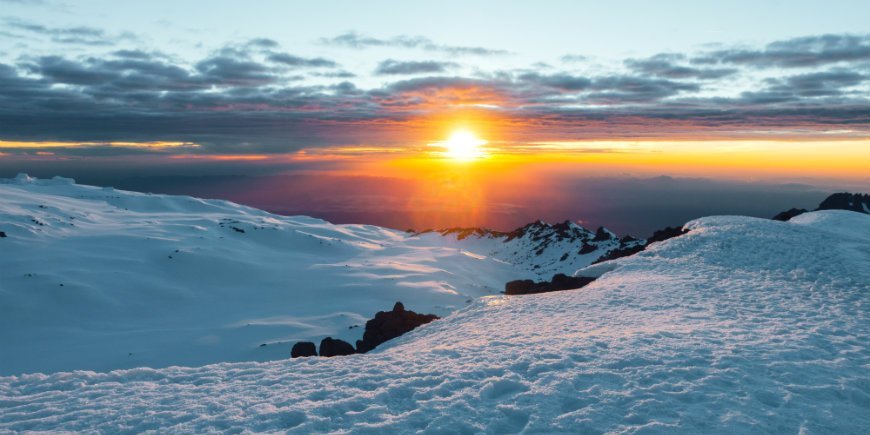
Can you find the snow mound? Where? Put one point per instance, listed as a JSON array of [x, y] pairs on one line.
[[742, 325]]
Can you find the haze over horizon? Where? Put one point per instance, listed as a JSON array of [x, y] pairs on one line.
[[462, 114]]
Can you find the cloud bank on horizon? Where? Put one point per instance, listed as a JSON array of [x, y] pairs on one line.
[[83, 85]]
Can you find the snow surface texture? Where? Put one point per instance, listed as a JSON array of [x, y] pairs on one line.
[[742, 325], [100, 279]]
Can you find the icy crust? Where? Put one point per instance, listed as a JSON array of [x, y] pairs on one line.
[[740, 326]]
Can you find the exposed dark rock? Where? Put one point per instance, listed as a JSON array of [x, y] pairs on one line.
[[388, 325], [619, 253], [857, 202], [519, 287], [627, 239], [559, 282], [302, 349], [238, 230], [788, 214], [658, 236], [847, 201], [2, 234], [335, 347], [602, 235], [587, 248], [666, 233]]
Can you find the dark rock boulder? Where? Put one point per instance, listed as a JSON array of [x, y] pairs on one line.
[[559, 282], [2, 234], [519, 287], [302, 349], [388, 325], [335, 347], [788, 214]]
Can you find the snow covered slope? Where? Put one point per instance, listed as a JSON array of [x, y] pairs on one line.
[[100, 279], [742, 325]]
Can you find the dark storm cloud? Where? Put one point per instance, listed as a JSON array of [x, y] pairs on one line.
[[296, 61], [133, 54], [139, 70], [68, 35], [263, 43], [671, 66], [810, 51], [832, 85], [355, 40], [611, 89], [561, 81], [267, 49], [819, 84], [335, 74], [226, 70], [622, 89], [395, 67], [253, 97], [433, 83], [132, 70]]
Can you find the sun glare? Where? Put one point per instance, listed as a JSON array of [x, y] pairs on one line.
[[463, 145]]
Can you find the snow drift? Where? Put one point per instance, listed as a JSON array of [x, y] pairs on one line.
[[742, 325], [101, 279]]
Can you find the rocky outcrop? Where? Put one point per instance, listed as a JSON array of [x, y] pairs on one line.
[[303, 349], [788, 214], [587, 249], [602, 235], [658, 236], [847, 201], [388, 325], [543, 248], [666, 233], [619, 253], [334, 347], [559, 282], [857, 202]]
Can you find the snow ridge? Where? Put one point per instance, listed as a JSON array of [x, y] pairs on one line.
[[101, 279], [742, 325]]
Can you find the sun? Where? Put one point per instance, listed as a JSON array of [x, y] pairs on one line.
[[463, 145]]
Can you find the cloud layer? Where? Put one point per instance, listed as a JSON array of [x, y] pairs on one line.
[[256, 96]]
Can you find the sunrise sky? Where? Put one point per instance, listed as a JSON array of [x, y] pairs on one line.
[[452, 113]]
